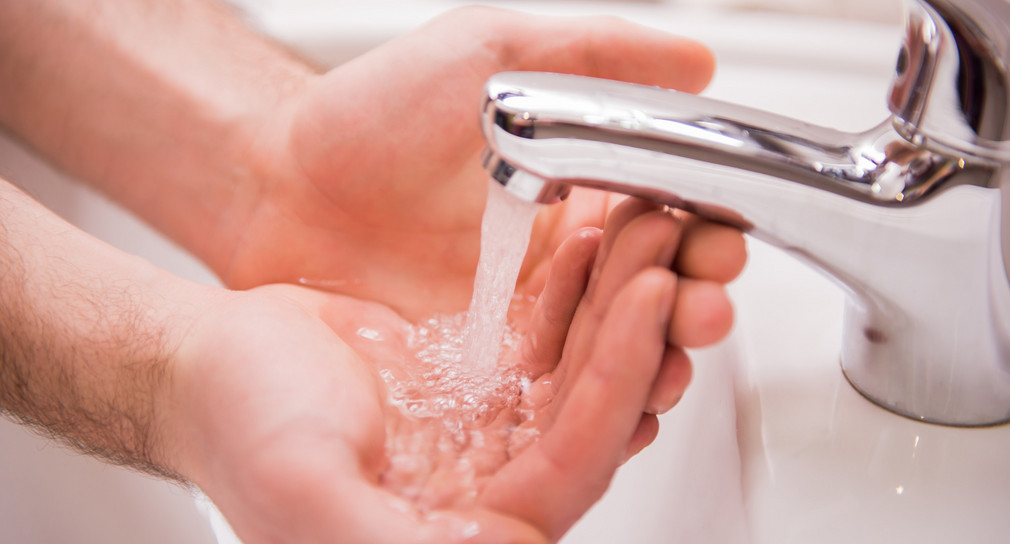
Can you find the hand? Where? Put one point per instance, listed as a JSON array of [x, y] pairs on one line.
[[372, 183], [363, 180], [286, 425]]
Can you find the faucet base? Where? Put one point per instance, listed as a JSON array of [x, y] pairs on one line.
[[942, 355], [919, 417]]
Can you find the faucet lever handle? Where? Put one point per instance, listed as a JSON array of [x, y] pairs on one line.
[[951, 89]]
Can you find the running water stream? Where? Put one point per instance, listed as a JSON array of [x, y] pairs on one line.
[[504, 237], [458, 402]]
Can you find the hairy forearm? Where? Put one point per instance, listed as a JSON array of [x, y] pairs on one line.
[[87, 336], [161, 104]]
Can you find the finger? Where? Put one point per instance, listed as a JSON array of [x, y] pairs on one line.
[[710, 251], [673, 379], [583, 208], [618, 218], [555, 480], [630, 244], [543, 343], [613, 48], [645, 434], [639, 236], [702, 314]]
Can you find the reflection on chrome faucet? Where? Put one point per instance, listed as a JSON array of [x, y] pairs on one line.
[[911, 217]]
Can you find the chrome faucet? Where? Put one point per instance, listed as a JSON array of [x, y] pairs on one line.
[[911, 217]]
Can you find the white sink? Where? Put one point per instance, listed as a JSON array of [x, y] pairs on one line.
[[771, 445]]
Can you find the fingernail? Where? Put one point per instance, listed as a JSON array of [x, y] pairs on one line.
[[666, 406]]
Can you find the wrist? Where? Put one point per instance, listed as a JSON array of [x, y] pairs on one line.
[[89, 335], [230, 365], [213, 187], [186, 308], [246, 157], [267, 182]]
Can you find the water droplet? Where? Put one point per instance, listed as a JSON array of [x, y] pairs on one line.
[[369, 334]]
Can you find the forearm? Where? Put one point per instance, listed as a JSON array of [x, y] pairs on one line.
[[87, 336], [161, 104]]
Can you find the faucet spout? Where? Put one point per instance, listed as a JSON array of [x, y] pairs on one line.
[[573, 130], [911, 232]]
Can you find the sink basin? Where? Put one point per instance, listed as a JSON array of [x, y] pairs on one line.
[[771, 445]]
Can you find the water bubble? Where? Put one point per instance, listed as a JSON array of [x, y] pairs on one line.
[[369, 334]]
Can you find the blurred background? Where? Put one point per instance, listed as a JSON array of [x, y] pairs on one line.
[[865, 10]]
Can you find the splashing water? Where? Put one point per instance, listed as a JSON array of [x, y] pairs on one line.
[[504, 237], [455, 426], [459, 410]]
